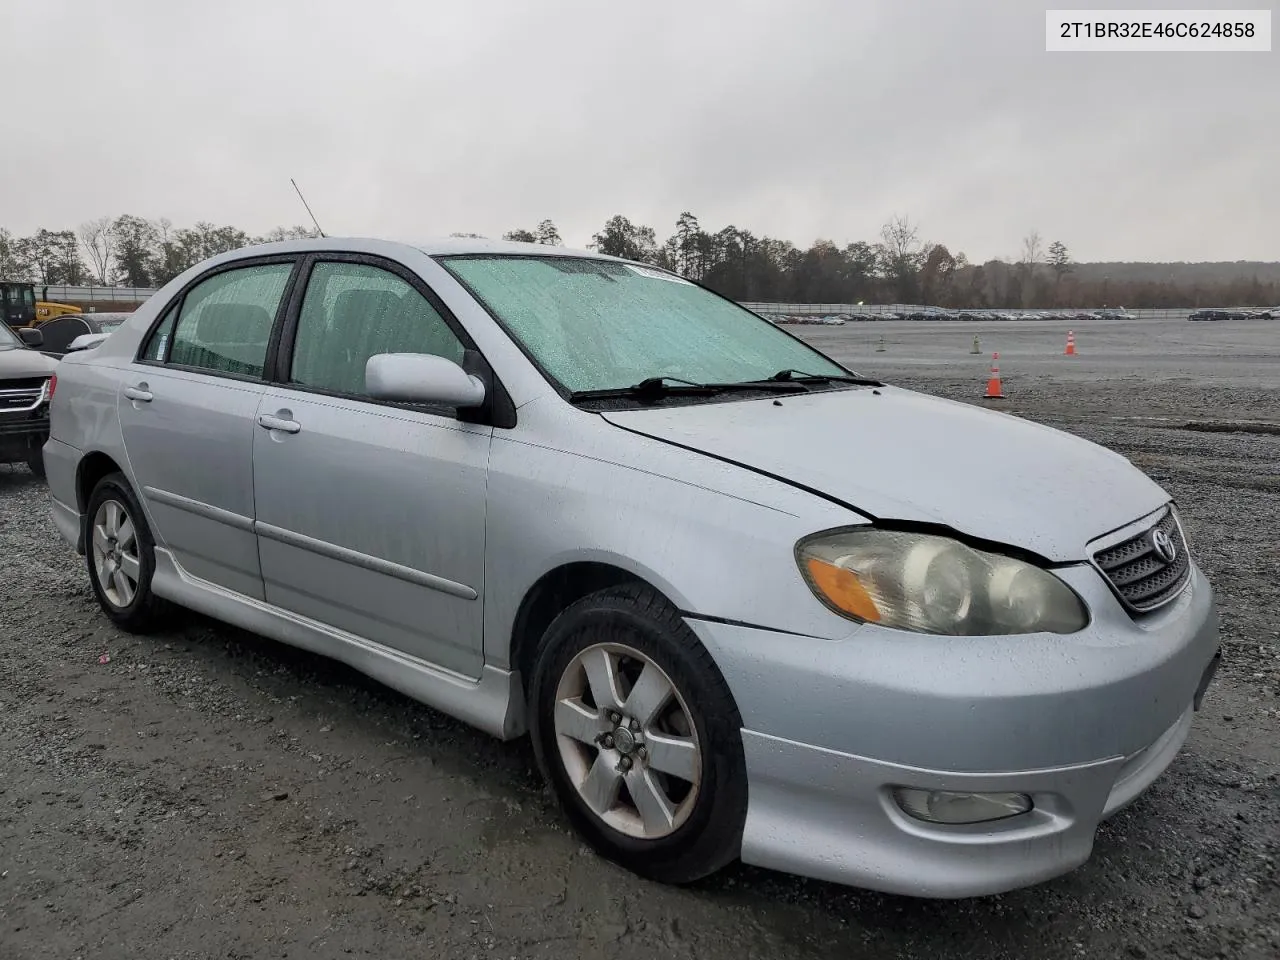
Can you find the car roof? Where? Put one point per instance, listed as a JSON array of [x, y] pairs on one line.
[[442, 246]]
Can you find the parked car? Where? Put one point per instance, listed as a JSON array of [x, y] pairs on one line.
[[60, 332], [1228, 313], [24, 396], [745, 601], [103, 324]]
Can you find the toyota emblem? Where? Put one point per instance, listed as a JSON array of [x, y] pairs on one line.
[[1164, 547]]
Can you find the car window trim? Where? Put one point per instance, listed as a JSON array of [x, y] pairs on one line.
[[179, 299], [448, 413], [278, 375]]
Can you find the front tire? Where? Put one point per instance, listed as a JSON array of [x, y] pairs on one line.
[[120, 554], [35, 460], [635, 730]]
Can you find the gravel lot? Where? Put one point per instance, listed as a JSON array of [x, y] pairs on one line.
[[208, 793]]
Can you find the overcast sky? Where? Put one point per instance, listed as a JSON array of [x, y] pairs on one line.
[[799, 119]]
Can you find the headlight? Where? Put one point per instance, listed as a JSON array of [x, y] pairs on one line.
[[930, 584]]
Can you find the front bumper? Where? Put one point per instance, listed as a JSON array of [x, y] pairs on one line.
[[1083, 724], [20, 432]]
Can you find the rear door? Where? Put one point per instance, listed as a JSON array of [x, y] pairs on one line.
[[371, 515], [187, 412]]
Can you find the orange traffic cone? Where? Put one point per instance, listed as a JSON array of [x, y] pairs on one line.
[[994, 390], [1071, 344]]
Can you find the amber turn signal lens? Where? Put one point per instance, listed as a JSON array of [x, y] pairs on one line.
[[842, 589]]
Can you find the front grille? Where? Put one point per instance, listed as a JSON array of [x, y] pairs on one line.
[[1141, 576], [14, 400], [22, 383]]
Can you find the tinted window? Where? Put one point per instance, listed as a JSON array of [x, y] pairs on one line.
[[352, 312], [226, 320]]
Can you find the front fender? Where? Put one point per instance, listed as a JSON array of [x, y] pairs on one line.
[[711, 553]]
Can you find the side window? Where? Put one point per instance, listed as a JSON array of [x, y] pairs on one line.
[[225, 321], [352, 312]]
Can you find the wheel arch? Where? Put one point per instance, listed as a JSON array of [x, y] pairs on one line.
[[555, 591], [89, 472]]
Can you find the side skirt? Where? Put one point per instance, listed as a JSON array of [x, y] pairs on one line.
[[494, 703]]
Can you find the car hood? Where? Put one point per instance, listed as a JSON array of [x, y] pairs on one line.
[[25, 363], [894, 454]]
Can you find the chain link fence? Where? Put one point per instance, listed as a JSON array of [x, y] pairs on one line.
[[61, 293]]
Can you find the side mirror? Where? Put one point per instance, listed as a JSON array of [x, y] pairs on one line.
[[86, 341], [31, 336], [421, 378]]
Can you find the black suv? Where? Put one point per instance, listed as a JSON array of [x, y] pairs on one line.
[[24, 397]]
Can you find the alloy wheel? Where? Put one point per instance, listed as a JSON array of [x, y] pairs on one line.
[[627, 741], [115, 553]]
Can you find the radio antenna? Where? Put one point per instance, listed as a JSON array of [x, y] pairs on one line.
[[307, 205]]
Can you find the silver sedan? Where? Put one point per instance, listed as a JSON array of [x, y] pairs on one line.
[[746, 602]]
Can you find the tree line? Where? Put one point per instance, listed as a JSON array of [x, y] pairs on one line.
[[125, 251], [898, 266]]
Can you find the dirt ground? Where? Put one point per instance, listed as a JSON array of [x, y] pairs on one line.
[[208, 793]]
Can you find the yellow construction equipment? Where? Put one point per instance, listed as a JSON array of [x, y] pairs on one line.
[[20, 308]]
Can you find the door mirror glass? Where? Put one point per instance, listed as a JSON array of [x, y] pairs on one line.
[[31, 336], [421, 378]]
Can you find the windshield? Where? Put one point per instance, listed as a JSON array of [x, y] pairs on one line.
[[17, 295], [8, 339], [600, 325]]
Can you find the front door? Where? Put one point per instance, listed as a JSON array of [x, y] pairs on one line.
[[187, 413], [370, 516]]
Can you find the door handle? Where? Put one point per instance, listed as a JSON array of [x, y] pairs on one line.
[[269, 422], [139, 393]]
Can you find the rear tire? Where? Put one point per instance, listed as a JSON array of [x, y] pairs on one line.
[[636, 732], [120, 554]]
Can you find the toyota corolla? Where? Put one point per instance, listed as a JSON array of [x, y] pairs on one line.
[[746, 602]]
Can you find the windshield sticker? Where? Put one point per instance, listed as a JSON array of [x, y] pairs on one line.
[[657, 274]]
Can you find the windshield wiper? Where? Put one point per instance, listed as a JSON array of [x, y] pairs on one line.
[[657, 388], [799, 376]]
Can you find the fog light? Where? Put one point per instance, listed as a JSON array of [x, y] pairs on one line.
[[946, 806]]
